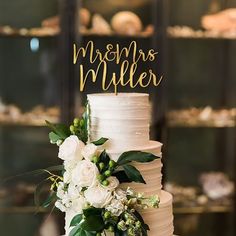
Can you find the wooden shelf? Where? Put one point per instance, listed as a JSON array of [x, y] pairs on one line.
[[45, 33], [185, 32], [40, 32], [202, 117], [197, 125], [23, 124], [203, 209]]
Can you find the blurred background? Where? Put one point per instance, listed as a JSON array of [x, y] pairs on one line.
[[194, 109]]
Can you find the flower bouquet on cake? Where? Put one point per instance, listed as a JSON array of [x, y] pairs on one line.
[[89, 189]]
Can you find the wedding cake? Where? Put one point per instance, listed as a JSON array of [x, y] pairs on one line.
[[124, 119]]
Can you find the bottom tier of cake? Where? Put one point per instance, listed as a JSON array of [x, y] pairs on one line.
[[160, 220]]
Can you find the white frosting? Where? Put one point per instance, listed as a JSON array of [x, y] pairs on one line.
[[124, 120], [160, 220]]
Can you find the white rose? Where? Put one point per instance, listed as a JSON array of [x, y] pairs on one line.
[[98, 196], [85, 174], [78, 204], [70, 165], [71, 149], [74, 191], [113, 183], [116, 207], [120, 195], [89, 151]]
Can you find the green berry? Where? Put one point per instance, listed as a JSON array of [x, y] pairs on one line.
[[107, 215], [129, 222], [111, 228], [101, 178], [126, 216], [72, 129], [105, 182], [121, 226], [138, 224], [98, 234], [95, 159], [115, 218], [81, 123], [130, 232], [101, 166], [107, 173], [76, 122], [112, 163]]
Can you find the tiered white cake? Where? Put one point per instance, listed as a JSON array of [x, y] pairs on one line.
[[124, 119]]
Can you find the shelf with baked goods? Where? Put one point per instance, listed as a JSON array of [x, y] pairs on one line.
[[39, 32], [186, 32], [214, 194], [203, 209], [202, 117], [12, 115], [47, 32]]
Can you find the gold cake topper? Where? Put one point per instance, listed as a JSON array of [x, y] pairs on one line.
[[127, 58]]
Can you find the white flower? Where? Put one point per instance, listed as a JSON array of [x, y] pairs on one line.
[[98, 196], [67, 176], [66, 201], [60, 206], [120, 195], [116, 207], [71, 149], [74, 191], [78, 204], [61, 191], [113, 183], [89, 151], [85, 174], [70, 165]]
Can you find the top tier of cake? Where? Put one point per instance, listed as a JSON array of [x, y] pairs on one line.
[[123, 118]]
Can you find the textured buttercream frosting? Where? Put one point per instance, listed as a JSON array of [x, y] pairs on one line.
[[124, 119]]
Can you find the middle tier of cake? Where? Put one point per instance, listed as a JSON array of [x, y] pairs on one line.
[[151, 172]]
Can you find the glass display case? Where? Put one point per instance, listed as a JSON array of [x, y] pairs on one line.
[[194, 110], [29, 94], [200, 146]]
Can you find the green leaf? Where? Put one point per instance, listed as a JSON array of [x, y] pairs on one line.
[[38, 191], [55, 168], [104, 157], [100, 142], [51, 199], [137, 156], [120, 233], [93, 223], [75, 230], [92, 211], [34, 173], [144, 226], [76, 220], [60, 129], [122, 176], [133, 174], [54, 137]]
